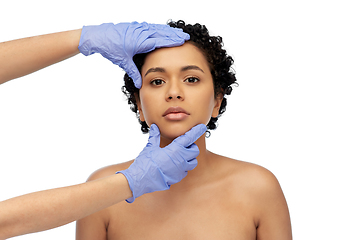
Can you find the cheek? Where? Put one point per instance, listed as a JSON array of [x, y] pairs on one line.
[[205, 105], [148, 108]]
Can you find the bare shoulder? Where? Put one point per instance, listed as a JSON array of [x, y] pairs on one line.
[[248, 180], [109, 170], [258, 177], [258, 189], [248, 173]]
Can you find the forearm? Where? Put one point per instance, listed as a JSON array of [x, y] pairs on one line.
[[24, 56], [48, 209]]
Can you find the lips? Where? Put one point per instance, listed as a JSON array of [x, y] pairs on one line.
[[175, 114]]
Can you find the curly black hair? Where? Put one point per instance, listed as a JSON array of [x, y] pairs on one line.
[[219, 62]]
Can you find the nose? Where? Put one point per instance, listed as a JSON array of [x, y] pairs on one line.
[[174, 92]]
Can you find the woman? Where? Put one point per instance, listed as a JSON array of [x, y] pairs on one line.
[[221, 198]]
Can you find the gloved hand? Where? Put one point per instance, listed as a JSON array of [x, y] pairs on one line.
[[156, 168], [120, 42]]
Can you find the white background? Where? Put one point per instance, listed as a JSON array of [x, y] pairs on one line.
[[295, 112]]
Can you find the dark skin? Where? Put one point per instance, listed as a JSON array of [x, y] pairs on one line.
[[233, 200], [221, 198]]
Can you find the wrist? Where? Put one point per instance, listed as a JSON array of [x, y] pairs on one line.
[[130, 196]]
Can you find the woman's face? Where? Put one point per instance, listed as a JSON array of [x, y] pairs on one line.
[[177, 92]]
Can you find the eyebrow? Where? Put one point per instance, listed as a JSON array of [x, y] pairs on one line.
[[191, 67], [183, 69]]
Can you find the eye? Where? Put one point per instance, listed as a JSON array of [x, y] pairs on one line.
[[192, 80], [157, 82]]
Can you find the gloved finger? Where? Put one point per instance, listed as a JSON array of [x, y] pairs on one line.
[[190, 165], [174, 34], [192, 151], [151, 44], [191, 136], [166, 30], [133, 73], [172, 180], [157, 37], [181, 156], [151, 39], [154, 135]]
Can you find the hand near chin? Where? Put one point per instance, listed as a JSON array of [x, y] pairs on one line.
[[156, 168]]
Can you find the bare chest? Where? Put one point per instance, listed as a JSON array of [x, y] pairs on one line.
[[199, 218]]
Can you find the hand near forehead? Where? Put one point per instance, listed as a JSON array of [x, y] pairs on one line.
[[120, 42], [156, 169]]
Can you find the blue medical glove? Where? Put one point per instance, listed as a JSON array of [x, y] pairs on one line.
[[155, 169], [120, 42]]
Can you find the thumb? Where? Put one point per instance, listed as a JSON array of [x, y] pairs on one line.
[[191, 136], [133, 73], [154, 136]]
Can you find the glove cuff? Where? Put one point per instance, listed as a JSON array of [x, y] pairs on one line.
[[84, 45], [132, 199], [90, 39]]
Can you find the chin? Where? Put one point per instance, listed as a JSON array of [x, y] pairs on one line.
[[172, 134], [173, 131]]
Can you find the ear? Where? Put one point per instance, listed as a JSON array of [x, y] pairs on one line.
[[218, 101], [139, 106]]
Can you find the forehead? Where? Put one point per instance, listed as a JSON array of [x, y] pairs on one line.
[[175, 57]]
